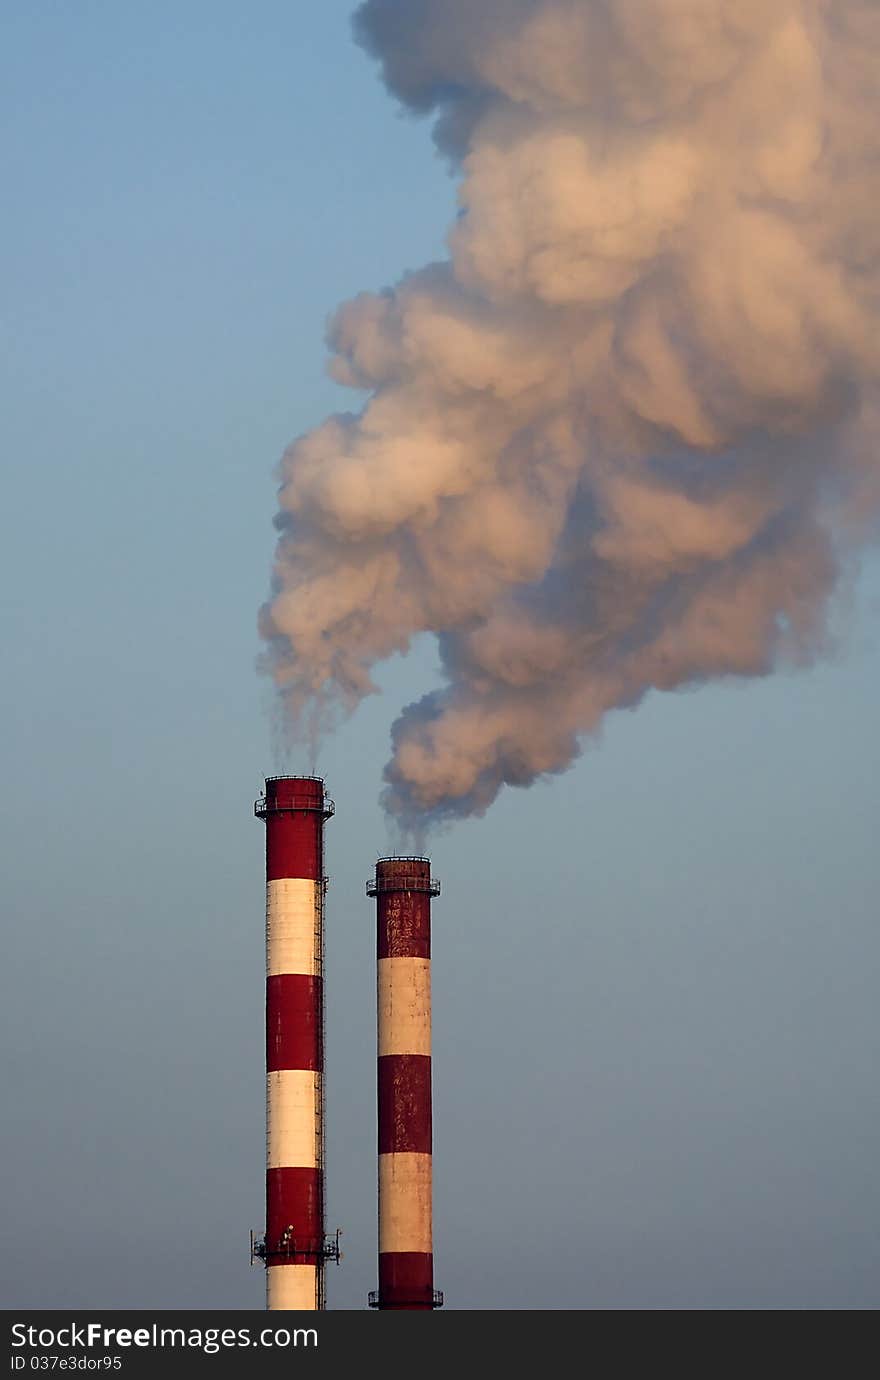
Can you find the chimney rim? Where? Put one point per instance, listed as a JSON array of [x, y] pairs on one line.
[[403, 857]]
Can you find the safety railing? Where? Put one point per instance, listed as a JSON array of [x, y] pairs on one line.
[[270, 805], [403, 882], [418, 1300]]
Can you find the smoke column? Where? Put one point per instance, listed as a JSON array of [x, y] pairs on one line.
[[623, 438]]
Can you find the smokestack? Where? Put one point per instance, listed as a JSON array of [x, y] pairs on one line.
[[294, 809], [403, 889]]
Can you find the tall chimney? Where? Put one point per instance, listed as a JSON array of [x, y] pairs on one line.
[[294, 809], [403, 889]]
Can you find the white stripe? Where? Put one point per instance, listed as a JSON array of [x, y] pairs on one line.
[[404, 1005], [293, 1107], [293, 1288], [405, 1203], [291, 926]]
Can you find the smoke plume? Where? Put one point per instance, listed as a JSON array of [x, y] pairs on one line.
[[623, 438]]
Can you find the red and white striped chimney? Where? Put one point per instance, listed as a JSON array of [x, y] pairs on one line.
[[403, 889], [294, 808]]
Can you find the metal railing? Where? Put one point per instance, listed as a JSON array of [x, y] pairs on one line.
[[284, 776], [379, 885], [404, 857], [263, 806], [329, 1250], [375, 1300]]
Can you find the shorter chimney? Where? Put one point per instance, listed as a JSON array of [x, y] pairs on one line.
[[403, 890]]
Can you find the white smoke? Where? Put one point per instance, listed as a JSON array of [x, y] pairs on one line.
[[623, 438]]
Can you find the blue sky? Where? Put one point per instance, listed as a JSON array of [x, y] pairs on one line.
[[655, 977]]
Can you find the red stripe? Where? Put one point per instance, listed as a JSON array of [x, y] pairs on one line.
[[404, 1084], [293, 1200], [295, 791], [294, 845], [403, 924], [406, 1280], [293, 1022]]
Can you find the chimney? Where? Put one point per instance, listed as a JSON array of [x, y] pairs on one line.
[[294, 1250], [403, 889]]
